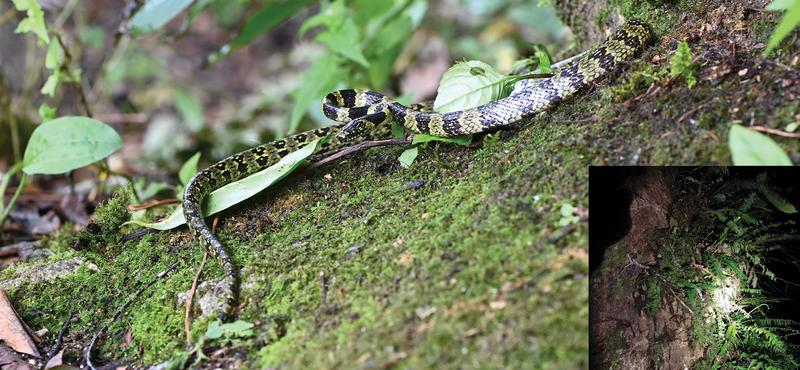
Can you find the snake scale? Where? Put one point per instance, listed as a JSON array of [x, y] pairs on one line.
[[366, 115]]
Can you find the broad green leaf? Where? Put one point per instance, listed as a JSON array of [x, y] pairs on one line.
[[34, 22], [54, 57], [190, 109], [265, 19], [468, 85], [344, 40], [214, 330], [788, 23], [749, 147], [322, 77], [780, 4], [154, 14], [67, 143], [460, 140], [238, 328], [189, 169], [235, 192], [408, 156]]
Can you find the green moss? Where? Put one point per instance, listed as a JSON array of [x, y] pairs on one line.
[[653, 295]]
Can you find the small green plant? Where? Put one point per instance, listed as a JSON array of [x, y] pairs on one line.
[[233, 332], [60, 146], [790, 21], [569, 215], [681, 64]]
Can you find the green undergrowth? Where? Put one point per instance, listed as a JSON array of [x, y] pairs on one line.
[[445, 262]]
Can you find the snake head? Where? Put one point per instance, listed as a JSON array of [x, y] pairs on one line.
[[362, 126], [355, 129]]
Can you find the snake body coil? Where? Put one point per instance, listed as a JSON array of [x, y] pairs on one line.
[[366, 114]]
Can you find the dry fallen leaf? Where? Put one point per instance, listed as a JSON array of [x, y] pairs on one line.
[[12, 330]]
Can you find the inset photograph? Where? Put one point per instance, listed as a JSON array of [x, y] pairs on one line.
[[694, 268]]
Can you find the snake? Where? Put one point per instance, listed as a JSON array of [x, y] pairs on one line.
[[366, 115]]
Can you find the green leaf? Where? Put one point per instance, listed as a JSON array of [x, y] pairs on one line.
[[749, 147], [235, 192], [788, 23], [330, 17], [460, 140], [238, 328], [792, 127], [67, 143], [323, 76], [214, 330], [190, 109], [461, 89], [265, 19], [189, 169], [780, 5], [407, 157], [544, 58], [778, 201], [47, 112], [49, 87], [154, 14], [54, 57], [681, 64], [34, 22], [397, 130], [344, 40], [567, 215]]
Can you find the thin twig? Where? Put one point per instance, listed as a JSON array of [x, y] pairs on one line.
[[695, 109], [357, 148], [152, 204], [87, 354], [773, 131], [77, 82], [186, 322], [59, 340]]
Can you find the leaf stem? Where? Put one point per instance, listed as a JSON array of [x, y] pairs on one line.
[[13, 200]]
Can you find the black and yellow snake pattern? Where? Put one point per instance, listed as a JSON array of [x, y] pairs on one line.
[[367, 114]]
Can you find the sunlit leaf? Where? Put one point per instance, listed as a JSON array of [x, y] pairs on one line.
[[154, 14], [235, 192], [54, 57], [189, 169], [34, 22], [408, 156], [67, 143], [468, 85], [749, 147]]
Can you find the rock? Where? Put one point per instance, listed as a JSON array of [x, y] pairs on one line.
[[34, 274]]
